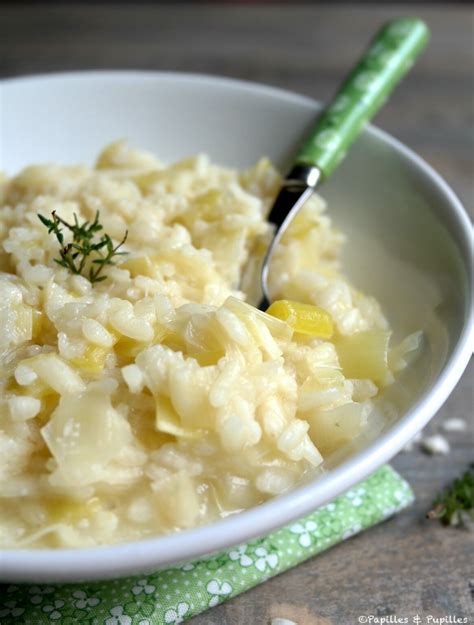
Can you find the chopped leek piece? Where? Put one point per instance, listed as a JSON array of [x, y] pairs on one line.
[[303, 318], [400, 355], [330, 429], [364, 355], [243, 310], [84, 434]]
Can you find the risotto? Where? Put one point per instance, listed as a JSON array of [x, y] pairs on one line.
[[160, 398]]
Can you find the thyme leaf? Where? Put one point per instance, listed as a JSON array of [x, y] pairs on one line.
[[455, 505], [89, 252]]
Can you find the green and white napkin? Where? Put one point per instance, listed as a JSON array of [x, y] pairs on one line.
[[172, 596]]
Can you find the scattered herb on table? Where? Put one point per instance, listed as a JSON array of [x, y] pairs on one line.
[[455, 505], [88, 252]]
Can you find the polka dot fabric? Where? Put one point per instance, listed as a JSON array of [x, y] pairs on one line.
[[177, 594]]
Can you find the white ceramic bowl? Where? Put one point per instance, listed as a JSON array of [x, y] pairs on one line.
[[409, 245]]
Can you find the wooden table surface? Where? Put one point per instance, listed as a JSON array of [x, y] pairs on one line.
[[407, 565]]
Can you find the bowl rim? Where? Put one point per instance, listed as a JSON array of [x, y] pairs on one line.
[[102, 562]]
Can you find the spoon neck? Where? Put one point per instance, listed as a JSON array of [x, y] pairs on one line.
[[302, 176]]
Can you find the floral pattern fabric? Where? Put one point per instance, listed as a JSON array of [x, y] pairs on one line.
[[175, 595]]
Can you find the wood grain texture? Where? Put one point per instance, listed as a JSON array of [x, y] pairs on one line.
[[303, 48], [406, 565]]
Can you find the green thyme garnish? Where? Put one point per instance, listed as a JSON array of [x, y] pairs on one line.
[[455, 505], [88, 252]]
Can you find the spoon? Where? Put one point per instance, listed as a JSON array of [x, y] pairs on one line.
[[388, 58]]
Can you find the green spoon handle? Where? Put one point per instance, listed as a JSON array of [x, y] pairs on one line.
[[387, 60]]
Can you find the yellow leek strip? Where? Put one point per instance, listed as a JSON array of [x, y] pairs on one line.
[[168, 421], [303, 318], [67, 510], [37, 324], [36, 389], [93, 359], [206, 358]]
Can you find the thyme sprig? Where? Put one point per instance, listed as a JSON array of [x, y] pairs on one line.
[[88, 253], [455, 505]]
